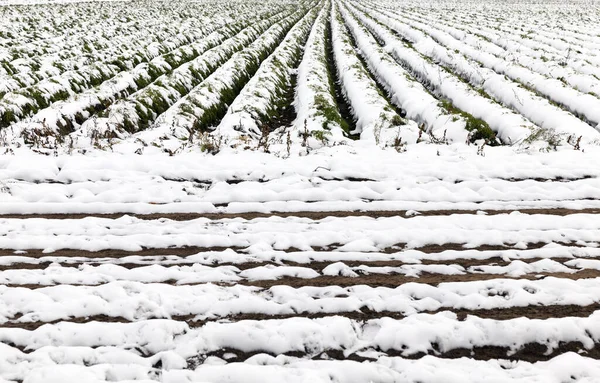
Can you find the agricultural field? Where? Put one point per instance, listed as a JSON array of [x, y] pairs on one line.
[[299, 191]]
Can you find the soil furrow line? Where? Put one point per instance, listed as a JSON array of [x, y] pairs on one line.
[[192, 250], [373, 280], [364, 314], [314, 265], [314, 215]]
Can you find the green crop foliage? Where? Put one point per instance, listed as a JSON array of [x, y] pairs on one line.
[[480, 128]]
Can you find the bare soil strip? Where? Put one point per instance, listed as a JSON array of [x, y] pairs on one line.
[[314, 215], [365, 314], [114, 253], [373, 280], [191, 250], [395, 280], [207, 183], [531, 352], [318, 266]]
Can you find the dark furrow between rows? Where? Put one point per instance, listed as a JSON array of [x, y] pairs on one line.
[[191, 250], [477, 126], [373, 280], [363, 315], [348, 120], [531, 352], [465, 78], [493, 260], [314, 215]]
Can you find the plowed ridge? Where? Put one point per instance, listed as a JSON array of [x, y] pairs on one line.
[[251, 281]]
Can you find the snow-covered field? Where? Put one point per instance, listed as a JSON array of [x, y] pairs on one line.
[[351, 264], [299, 191]]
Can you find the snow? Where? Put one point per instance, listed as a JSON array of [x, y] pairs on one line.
[[268, 86], [131, 234], [313, 93], [374, 114], [181, 311], [138, 301], [265, 368], [456, 179], [314, 336], [527, 103], [411, 335], [406, 93], [317, 257], [153, 294]]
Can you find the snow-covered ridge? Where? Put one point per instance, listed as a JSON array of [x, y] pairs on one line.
[[316, 108], [265, 92], [417, 333], [406, 93], [359, 233], [456, 179], [528, 104], [375, 116], [107, 81], [135, 301]]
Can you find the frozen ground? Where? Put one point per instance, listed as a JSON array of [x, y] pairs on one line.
[[299, 191], [351, 264]]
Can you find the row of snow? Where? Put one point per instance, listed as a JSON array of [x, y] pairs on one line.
[[416, 333], [178, 70], [426, 177], [172, 315], [485, 65], [263, 368], [55, 274], [145, 292], [280, 233]]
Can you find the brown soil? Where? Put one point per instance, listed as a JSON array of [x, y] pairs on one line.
[[114, 253], [318, 266], [375, 280], [466, 262], [365, 314], [383, 280], [301, 214], [191, 250], [392, 281], [532, 352]]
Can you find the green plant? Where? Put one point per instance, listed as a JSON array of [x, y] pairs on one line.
[[552, 139], [321, 135], [478, 128]]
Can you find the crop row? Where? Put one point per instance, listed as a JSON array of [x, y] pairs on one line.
[[69, 114], [382, 72]]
